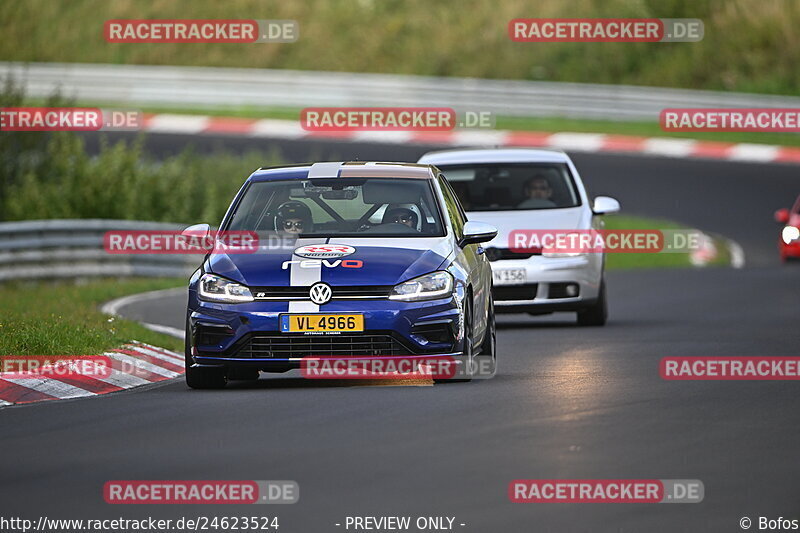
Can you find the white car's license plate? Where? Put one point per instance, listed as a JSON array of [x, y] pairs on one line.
[[509, 276]]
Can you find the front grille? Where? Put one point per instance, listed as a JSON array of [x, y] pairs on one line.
[[265, 345], [341, 292], [515, 292], [501, 254]]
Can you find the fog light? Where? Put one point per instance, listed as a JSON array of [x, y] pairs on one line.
[[572, 290]]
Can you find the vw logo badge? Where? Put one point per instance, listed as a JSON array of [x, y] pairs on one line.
[[320, 293]]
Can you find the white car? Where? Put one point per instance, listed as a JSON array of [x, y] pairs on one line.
[[527, 189]]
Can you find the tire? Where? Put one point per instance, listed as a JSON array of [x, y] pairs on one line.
[[487, 360], [597, 313], [201, 377]]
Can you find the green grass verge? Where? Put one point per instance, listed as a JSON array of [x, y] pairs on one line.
[[620, 261], [63, 318]]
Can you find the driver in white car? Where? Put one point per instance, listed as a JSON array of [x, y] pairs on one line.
[[539, 193]]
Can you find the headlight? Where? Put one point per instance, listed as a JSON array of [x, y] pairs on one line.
[[216, 289], [790, 233], [427, 287]]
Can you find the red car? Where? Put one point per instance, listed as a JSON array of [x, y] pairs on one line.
[[789, 243]]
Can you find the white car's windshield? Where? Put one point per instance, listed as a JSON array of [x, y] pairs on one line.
[[359, 207], [506, 187]]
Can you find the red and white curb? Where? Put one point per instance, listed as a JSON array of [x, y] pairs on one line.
[[132, 365], [573, 142]]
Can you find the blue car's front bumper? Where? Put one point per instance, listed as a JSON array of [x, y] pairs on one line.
[[248, 334]]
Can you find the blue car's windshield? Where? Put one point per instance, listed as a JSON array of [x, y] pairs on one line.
[[356, 207]]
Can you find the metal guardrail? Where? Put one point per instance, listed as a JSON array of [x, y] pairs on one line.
[[50, 249], [225, 87]]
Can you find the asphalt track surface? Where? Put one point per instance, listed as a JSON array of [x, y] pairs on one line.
[[568, 403]]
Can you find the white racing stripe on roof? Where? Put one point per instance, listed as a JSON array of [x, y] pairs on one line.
[[52, 387], [324, 170], [136, 363], [178, 123]]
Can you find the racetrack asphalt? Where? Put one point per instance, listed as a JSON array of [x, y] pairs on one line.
[[567, 403]]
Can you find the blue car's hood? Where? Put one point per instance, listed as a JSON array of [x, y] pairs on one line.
[[375, 262]]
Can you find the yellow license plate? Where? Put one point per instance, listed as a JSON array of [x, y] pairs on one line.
[[321, 323]]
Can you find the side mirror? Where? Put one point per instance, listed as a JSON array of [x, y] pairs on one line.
[[198, 230], [604, 205], [477, 232], [782, 216]]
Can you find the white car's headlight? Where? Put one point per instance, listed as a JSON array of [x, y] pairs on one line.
[[428, 287], [564, 245], [561, 254], [790, 233], [216, 289]]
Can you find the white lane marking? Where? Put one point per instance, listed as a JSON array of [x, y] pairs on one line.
[[155, 355], [324, 170], [52, 387], [167, 330], [581, 142], [168, 123], [737, 254], [279, 129], [669, 147], [113, 307], [753, 152], [137, 363]]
